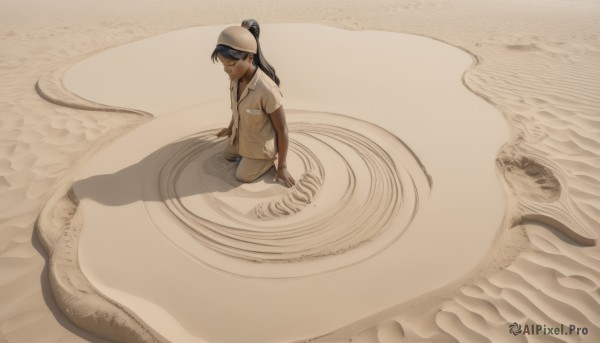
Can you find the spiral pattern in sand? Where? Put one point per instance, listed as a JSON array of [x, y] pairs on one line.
[[365, 182]]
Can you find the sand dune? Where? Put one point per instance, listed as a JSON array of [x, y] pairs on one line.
[[537, 65]]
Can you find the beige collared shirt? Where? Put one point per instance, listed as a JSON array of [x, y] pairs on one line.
[[251, 122]]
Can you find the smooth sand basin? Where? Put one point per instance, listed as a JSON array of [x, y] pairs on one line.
[[385, 81]]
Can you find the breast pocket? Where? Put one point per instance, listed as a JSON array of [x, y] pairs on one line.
[[254, 120], [253, 112]]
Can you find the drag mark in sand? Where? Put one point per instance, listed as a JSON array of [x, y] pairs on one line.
[[301, 195]]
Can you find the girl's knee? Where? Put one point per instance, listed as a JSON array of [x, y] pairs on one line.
[[250, 170], [243, 177]]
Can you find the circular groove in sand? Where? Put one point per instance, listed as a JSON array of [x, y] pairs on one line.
[[368, 171]]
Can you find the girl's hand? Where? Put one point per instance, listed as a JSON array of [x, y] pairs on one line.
[[282, 173], [225, 132]]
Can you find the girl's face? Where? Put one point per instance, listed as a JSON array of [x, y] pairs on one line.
[[236, 69]]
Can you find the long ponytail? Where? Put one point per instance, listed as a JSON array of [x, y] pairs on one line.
[[259, 59]]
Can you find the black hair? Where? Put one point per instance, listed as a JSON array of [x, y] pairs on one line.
[[259, 59]]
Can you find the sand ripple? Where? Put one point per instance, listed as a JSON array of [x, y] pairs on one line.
[[554, 282]]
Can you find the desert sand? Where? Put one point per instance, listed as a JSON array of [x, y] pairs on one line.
[[449, 183]]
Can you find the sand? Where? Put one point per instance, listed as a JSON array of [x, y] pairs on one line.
[[525, 254]]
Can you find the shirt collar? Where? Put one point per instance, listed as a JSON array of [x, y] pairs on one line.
[[254, 81]]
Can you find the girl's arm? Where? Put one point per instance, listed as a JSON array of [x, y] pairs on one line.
[[278, 120]]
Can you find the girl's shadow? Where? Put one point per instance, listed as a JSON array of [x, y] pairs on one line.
[[210, 173]]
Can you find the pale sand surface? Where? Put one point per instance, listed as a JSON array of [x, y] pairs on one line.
[[387, 271], [538, 64]]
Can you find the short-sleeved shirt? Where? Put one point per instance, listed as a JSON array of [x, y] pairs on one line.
[[251, 122]]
